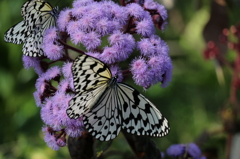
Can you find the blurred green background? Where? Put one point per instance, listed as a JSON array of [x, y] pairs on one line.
[[191, 102]]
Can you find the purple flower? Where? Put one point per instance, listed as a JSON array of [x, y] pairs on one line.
[[78, 12], [136, 10], [91, 40], [49, 138], [80, 3], [141, 75], [59, 105], [86, 23], [162, 11], [46, 112], [114, 12], [63, 19], [75, 128], [176, 150], [50, 35], [146, 47], [160, 46], [123, 43], [109, 55], [52, 51], [67, 69], [145, 27], [161, 66], [40, 85], [77, 37], [73, 28], [64, 85], [37, 97], [61, 142], [139, 65], [34, 62], [104, 26], [193, 150], [51, 73], [150, 4]]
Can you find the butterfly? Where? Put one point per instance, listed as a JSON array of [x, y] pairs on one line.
[[38, 16], [107, 106]]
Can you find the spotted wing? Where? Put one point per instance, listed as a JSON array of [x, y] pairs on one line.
[[17, 34], [90, 78], [104, 120], [139, 115], [32, 45]]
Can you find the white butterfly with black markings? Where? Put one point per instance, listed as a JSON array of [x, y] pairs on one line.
[[38, 16], [108, 106]]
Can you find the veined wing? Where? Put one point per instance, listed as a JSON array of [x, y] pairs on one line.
[[104, 120], [35, 9], [83, 103], [32, 45], [17, 34], [89, 74], [140, 116]]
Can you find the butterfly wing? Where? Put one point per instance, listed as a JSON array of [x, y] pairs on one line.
[[90, 78], [33, 11], [32, 45], [140, 116], [89, 73], [105, 120], [17, 34]]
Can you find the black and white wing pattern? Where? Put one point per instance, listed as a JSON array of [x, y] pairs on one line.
[[38, 16], [94, 77], [17, 34], [108, 106]]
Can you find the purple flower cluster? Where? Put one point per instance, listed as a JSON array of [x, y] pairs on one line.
[[91, 24], [185, 151], [54, 89], [105, 31]]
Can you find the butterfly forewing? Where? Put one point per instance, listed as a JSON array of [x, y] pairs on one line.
[[140, 116], [90, 78], [33, 10], [17, 34], [89, 74]]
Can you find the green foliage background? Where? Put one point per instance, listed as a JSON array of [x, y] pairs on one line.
[[191, 102]]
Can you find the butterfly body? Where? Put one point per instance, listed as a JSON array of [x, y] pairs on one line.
[[37, 17], [107, 106]]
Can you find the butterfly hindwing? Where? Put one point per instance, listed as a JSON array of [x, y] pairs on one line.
[[32, 46], [104, 121]]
